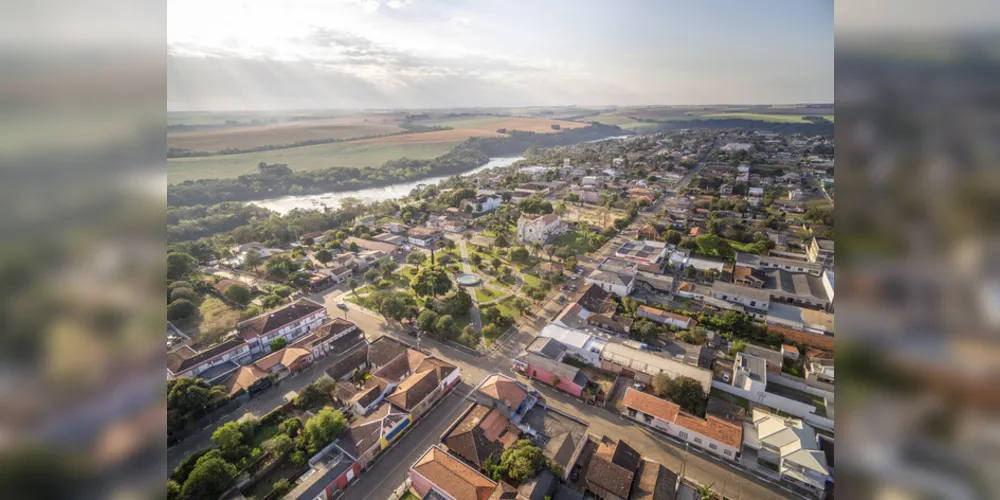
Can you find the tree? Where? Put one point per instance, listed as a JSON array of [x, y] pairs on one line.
[[325, 426], [239, 294], [427, 320], [279, 445], [491, 331], [570, 263], [173, 490], [278, 343], [183, 293], [397, 306], [661, 384], [281, 266], [209, 479], [694, 336], [458, 303], [371, 275], [688, 393], [522, 461], [252, 259], [324, 256], [180, 309], [310, 397], [445, 326], [621, 224], [519, 254], [737, 347], [431, 281], [283, 291], [673, 237], [572, 198], [352, 284], [188, 398], [229, 436], [416, 258], [179, 265], [476, 259], [520, 304]]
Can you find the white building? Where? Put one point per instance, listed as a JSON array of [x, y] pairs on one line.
[[540, 229], [591, 180], [734, 147], [290, 322], [756, 191], [644, 251], [620, 283], [750, 373], [789, 445], [484, 203], [582, 344]]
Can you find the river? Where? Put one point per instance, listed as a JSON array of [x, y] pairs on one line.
[[286, 204]]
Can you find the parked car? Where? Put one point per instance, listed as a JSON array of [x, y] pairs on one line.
[[638, 386], [574, 474], [342, 305], [725, 377], [562, 298]]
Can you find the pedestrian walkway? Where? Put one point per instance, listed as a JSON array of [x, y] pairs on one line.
[[477, 322]]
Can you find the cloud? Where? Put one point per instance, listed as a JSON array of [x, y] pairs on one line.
[[461, 21], [398, 4], [369, 6]]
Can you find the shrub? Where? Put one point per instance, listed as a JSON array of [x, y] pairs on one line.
[[278, 343], [181, 309], [183, 293], [283, 291], [270, 301], [282, 487]]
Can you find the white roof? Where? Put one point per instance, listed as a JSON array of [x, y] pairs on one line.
[[650, 363], [568, 336], [795, 439]]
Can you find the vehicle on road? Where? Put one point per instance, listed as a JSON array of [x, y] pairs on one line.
[[725, 377], [562, 298], [342, 305]]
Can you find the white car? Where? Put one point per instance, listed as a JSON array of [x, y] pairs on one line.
[[725, 377], [638, 386]]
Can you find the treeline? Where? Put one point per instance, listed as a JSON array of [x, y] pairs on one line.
[[822, 128], [187, 153], [466, 156]]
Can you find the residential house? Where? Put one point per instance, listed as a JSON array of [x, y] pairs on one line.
[[576, 342], [774, 358], [547, 269], [736, 147], [810, 321], [654, 482], [335, 337], [756, 192], [726, 189], [820, 370], [611, 470], [367, 436], [438, 475], [540, 229], [240, 251], [591, 180], [321, 281], [340, 274], [789, 351], [754, 301], [275, 366], [484, 203], [589, 195], [643, 365], [649, 232], [821, 252], [566, 378], [790, 447], [424, 237], [289, 322], [619, 284], [315, 236], [391, 238], [480, 433], [210, 364], [387, 248], [447, 223], [765, 262], [330, 471], [647, 252], [750, 373], [666, 318], [712, 434], [506, 395]]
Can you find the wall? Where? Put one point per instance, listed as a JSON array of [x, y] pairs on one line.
[[810, 387], [564, 385], [420, 484]]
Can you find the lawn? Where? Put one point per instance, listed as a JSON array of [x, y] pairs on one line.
[[739, 247], [530, 279], [506, 309], [319, 157], [731, 398], [574, 240], [487, 294], [215, 318], [409, 496]]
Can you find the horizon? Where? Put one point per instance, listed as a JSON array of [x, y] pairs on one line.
[[588, 106], [432, 54]]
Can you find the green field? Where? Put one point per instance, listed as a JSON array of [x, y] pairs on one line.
[[767, 117], [463, 121], [319, 157]]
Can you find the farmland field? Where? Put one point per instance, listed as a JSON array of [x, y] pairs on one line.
[[767, 117], [281, 133], [488, 125], [319, 157]]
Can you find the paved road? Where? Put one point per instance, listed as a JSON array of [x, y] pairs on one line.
[[259, 406], [391, 468], [602, 422]]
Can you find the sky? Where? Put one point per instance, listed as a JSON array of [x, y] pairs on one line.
[[364, 54]]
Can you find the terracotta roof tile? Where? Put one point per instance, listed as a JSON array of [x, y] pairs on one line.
[[503, 389], [453, 477]]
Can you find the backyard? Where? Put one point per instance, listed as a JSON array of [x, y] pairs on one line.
[[800, 396]]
